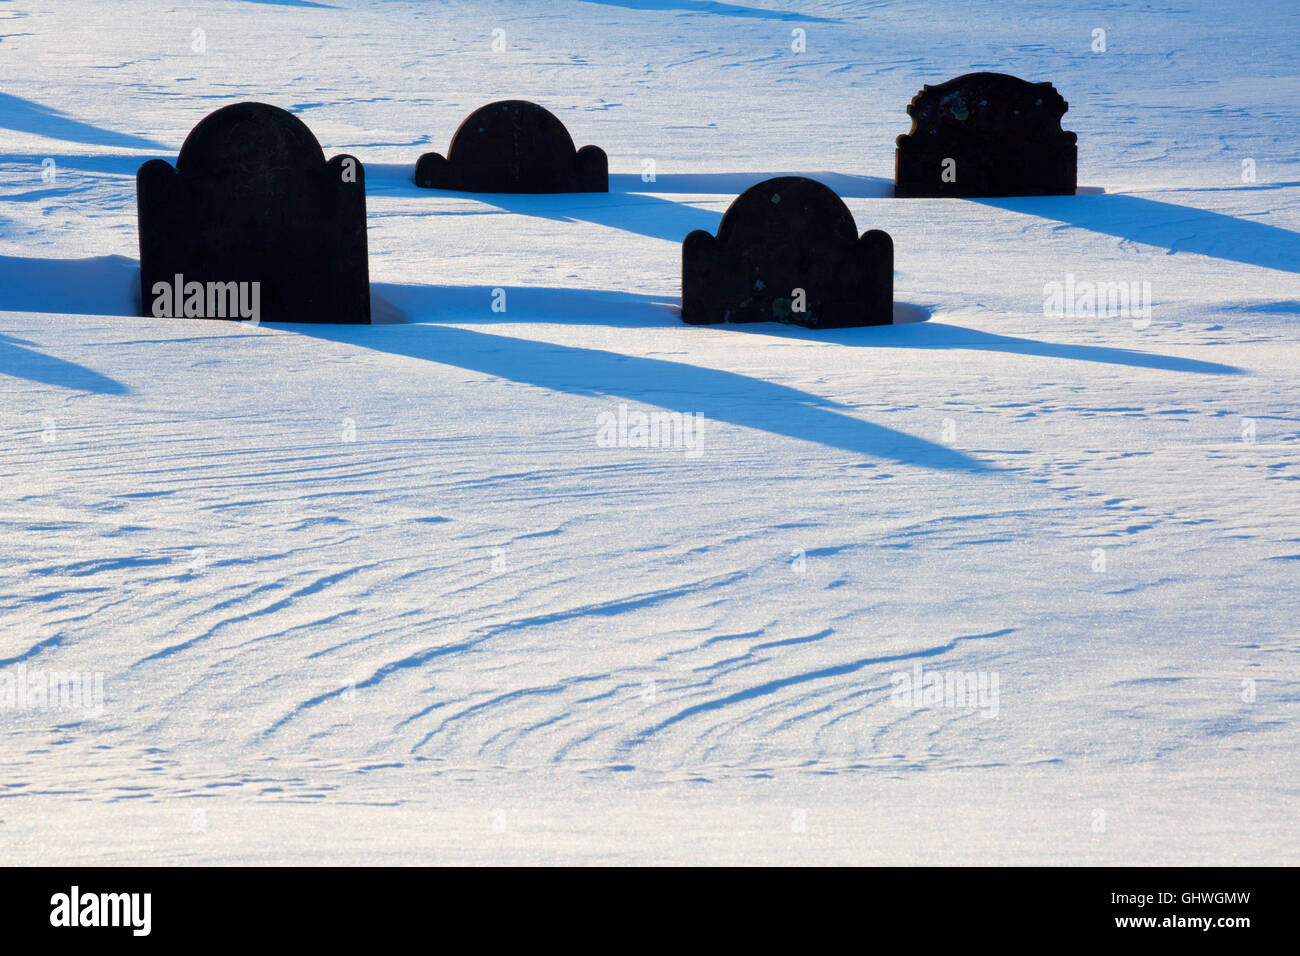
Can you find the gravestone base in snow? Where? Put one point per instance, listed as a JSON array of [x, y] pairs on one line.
[[514, 146], [788, 250], [986, 134], [253, 223]]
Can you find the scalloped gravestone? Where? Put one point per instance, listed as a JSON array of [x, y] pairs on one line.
[[253, 220], [986, 134], [787, 250], [514, 146]]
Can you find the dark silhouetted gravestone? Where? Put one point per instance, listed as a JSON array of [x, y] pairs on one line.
[[513, 146], [252, 200], [788, 251], [986, 134]]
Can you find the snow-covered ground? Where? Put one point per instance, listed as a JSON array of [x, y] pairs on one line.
[[380, 594]]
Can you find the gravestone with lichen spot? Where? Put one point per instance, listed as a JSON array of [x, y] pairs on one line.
[[253, 200], [514, 146], [986, 134], [788, 250]]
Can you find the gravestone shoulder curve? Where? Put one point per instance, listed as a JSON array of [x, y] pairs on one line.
[[254, 223], [986, 134], [787, 250], [514, 146]]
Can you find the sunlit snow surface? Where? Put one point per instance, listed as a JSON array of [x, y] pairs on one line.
[[379, 594]]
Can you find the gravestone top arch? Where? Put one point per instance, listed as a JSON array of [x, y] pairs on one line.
[[514, 146], [253, 202], [986, 134], [788, 250]]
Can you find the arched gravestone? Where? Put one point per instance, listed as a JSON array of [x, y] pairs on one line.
[[986, 134], [252, 200], [513, 146], [788, 251]]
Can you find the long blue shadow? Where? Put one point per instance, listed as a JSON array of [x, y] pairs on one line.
[[845, 185], [718, 395], [1282, 307], [391, 302], [111, 165], [630, 211], [711, 7], [938, 335], [632, 204], [107, 285], [1167, 225], [24, 116], [638, 213], [17, 361], [102, 285], [473, 304]]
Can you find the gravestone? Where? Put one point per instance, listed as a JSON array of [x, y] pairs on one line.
[[253, 216], [787, 250], [986, 134], [513, 146]]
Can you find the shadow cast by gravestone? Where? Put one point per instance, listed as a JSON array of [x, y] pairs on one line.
[[123, 165], [676, 386], [24, 116], [1166, 225], [633, 205], [395, 303], [20, 359], [712, 8], [914, 333], [637, 213], [102, 285], [514, 146], [253, 202], [844, 185]]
